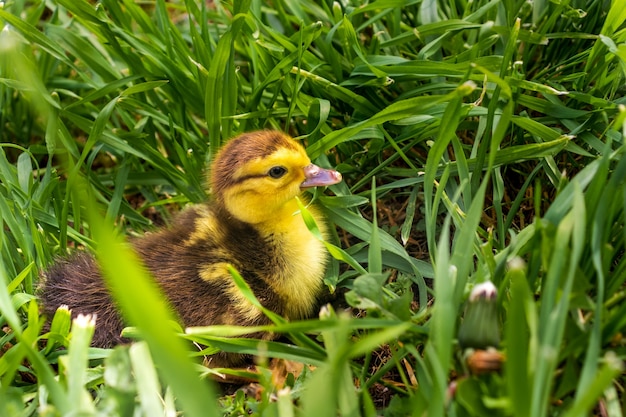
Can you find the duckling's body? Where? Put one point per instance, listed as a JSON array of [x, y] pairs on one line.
[[252, 223]]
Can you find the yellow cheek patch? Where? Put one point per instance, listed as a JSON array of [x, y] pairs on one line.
[[260, 200], [254, 196], [293, 160]]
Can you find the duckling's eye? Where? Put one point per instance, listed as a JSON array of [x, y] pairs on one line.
[[277, 172]]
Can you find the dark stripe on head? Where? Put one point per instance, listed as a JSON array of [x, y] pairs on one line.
[[242, 149]]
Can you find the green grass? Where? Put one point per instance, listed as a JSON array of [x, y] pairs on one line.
[[486, 137]]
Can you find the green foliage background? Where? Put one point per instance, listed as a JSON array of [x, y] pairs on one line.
[[494, 129]]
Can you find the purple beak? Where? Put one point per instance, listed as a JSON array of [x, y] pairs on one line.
[[316, 176]]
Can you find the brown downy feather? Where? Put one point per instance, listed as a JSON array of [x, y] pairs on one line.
[[188, 262], [174, 263]]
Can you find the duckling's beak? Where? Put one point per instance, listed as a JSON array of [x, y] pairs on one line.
[[316, 176]]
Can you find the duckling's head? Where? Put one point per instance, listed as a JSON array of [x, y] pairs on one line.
[[256, 176]]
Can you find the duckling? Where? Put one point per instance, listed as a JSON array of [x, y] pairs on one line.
[[252, 222]]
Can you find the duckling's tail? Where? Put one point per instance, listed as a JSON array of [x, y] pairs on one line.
[[77, 283]]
